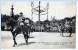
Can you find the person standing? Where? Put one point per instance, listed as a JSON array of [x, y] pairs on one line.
[[62, 29]]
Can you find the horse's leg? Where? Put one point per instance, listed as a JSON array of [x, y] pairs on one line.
[[62, 34], [28, 33], [27, 37], [70, 35], [14, 39], [14, 35]]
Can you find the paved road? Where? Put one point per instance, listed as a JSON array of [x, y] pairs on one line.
[[38, 40]]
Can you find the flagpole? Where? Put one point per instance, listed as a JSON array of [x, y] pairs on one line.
[[32, 10], [47, 14], [47, 10], [32, 14], [39, 17]]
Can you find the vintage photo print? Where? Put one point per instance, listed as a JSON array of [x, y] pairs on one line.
[[38, 24]]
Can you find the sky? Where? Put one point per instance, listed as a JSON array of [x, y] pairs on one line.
[[59, 9]]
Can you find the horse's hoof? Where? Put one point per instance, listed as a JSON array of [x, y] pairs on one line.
[[69, 36], [26, 43], [13, 45]]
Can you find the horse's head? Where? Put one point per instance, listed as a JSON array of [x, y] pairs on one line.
[[12, 22]]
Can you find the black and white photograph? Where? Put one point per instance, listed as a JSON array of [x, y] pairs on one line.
[[38, 24]]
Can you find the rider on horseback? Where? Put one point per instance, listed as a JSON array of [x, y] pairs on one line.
[[20, 22], [20, 19], [23, 24], [19, 27]]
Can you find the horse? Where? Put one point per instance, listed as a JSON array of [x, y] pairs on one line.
[[17, 29], [63, 28]]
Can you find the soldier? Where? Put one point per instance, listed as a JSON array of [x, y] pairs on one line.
[[21, 22], [20, 19], [62, 29]]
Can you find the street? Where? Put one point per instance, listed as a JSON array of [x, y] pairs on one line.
[[38, 40]]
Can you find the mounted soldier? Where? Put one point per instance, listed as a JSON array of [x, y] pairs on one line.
[[20, 19], [19, 27], [24, 24], [20, 22]]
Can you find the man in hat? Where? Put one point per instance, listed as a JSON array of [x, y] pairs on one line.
[[20, 19]]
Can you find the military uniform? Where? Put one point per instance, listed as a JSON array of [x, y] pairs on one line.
[[20, 20]]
